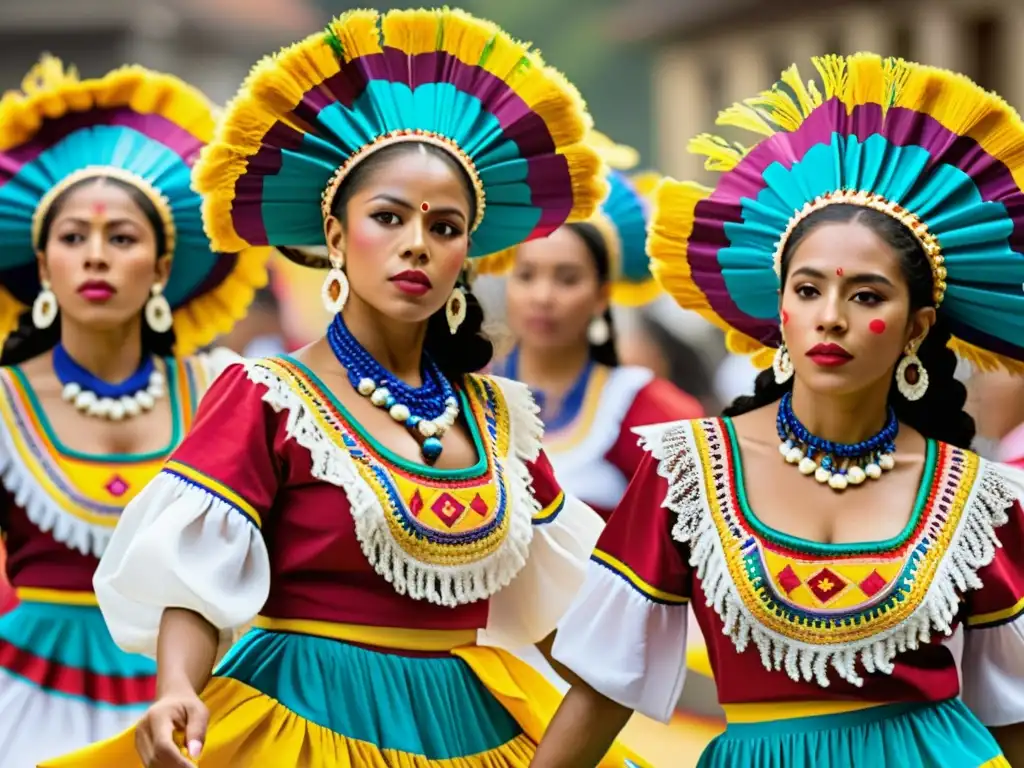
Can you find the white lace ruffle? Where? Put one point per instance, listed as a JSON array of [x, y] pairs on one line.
[[443, 585], [972, 547]]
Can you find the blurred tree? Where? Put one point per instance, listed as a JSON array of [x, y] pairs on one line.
[[615, 79]]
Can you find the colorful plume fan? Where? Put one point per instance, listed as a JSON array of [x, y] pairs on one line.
[[623, 220], [140, 127], [438, 76], [927, 146]]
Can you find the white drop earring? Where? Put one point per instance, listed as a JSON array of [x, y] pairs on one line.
[[455, 309], [598, 332], [334, 291], [782, 364], [158, 310], [44, 308], [911, 376]]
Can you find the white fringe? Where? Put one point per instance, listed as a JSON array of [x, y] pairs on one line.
[[972, 547], [442, 585], [46, 512]]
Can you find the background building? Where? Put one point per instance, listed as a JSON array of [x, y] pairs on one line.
[[710, 53]]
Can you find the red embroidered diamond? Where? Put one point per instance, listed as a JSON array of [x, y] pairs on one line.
[[825, 584], [872, 584], [117, 486], [479, 506], [416, 504], [448, 509], [788, 580]]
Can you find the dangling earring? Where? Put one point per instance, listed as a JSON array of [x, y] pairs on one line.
[[44, 308], [158, 310], [782, 364], [911, 375], [334, 291], [455, 309], [598, 331]]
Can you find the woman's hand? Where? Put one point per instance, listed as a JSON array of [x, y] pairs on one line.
[[172, 713]]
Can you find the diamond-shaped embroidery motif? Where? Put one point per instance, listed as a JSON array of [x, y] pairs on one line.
[[788, 580], [448, 509], [826, 584], [416, 504], [117, 486], [479, 506], [872, 584]]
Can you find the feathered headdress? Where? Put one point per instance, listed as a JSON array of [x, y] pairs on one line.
[[925, 146], [306, 116], [143, 128]]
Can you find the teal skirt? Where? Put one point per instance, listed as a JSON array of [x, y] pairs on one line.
[[942, 735]]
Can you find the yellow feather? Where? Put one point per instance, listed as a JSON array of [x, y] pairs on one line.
[[617, 156], [358, 32], [412, 31], [587, 174], [646, 183], [719, 154], [745, 117], [805, 100]]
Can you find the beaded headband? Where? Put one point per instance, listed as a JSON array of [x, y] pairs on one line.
[[159, 201], [929, 242], [400, 137]]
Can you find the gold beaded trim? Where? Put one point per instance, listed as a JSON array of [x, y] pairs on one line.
[[929, 242], [159, 201], [397, 137]]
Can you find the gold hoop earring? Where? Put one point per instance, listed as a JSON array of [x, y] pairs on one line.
[[782, 364]]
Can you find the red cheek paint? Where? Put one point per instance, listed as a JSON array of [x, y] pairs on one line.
[[785, 317], [877, 326]]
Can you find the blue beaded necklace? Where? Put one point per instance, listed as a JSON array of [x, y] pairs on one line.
[[95, 397], [838, 464], [427, 411]]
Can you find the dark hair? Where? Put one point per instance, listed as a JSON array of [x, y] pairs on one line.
[[468, 350], [605, 354], [27, 341], [940, 413]]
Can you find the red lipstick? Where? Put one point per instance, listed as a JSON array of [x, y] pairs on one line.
[[829, 355], [412, 282], [96, 291]]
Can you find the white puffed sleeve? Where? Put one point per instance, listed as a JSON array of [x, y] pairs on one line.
[[529, 609], [192, 537], [564, 532], [625, 633], [993, 657]]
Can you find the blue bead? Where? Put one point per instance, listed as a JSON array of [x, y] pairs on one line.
[[432, 448], [413, 421], [390, 402]]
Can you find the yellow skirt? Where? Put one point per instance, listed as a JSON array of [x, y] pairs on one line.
[[314, 699]]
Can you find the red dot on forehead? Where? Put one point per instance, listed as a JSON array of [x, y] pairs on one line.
[[839, 271], [99, 208], [425, 207], [877, 326]]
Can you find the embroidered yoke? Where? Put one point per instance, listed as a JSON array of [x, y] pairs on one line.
[[788, 620], [58, 662]]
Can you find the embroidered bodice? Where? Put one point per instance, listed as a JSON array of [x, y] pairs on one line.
[[331, 526], [791, 620], [60, 505]]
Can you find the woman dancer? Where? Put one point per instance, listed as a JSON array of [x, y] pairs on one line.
[[559, 295], [103, 238], [369, 498], [850, 583]]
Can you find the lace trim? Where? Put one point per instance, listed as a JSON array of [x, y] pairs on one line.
[[972, 547], [451, 585]]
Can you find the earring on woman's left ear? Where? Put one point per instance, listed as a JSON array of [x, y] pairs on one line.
[[158, 310]]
